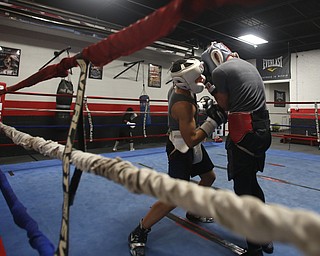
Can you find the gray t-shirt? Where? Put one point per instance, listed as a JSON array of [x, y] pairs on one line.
[[243, 84]]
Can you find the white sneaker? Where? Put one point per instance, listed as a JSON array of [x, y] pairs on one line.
[[114, 149], [132, 149]]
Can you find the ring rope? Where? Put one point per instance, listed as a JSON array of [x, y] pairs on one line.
[[121, 112], [23, 220], [317, 122], [73, 96], [104, 52], [255, 220], [85, 111], [63, 246], [145, 31], [89, 119]]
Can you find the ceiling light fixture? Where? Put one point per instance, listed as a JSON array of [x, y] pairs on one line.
[[252, 39]]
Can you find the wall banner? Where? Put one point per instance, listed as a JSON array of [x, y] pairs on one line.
[[274, 68]]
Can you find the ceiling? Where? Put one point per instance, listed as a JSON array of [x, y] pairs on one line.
[[288, 26]]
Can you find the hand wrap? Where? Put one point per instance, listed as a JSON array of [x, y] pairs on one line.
[[208, 126], [132, 125]]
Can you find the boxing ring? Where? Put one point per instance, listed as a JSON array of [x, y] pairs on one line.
[[113, 202], [245, 216]]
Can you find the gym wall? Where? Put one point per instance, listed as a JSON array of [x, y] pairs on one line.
[[38, 45]]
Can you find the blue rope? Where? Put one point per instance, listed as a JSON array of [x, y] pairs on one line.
[[37, 239]]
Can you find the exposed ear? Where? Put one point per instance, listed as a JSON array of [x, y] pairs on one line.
[[216, 57]]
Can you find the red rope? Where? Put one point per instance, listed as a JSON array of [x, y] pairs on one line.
[[147, 30], [56, 70], [128, 40], [136, 36]]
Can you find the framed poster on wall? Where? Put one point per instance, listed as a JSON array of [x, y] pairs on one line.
[[9, 61], [95, 72], [154, 75], [279, 98]]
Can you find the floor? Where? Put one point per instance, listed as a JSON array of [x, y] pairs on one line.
[[276, 144], [104, 213]]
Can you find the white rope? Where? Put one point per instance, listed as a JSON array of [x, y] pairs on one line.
[[317, 122], [244, 215], [85, 101]]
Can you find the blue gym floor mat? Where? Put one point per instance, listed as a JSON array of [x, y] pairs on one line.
[[104, 213]]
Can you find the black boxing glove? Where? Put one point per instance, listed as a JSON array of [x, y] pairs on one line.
[[216, 116], [215, 112]]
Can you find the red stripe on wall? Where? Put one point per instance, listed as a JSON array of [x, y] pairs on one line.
[[36, 106], [303, 113]]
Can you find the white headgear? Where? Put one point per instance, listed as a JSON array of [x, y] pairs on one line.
[[184, 74], [215, 55]]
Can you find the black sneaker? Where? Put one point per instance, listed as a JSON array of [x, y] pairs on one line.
[[257, 252], [195, 218], [267, 248], [137, 240]]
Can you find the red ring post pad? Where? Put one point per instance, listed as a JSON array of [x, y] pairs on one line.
[[2, 250]]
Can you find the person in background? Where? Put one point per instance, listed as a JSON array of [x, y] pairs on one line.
[[238, 88], [126, 129], [186, 155], [216, 135]]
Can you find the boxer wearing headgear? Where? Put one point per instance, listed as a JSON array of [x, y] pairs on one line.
[[238, 88], [186, 75], [215, 55], [187, 157]]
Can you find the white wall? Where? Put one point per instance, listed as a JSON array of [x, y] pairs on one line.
[[278, 115], [38, 47], [305, 76]]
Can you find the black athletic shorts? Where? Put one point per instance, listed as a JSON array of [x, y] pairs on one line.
[[239, 160], [180, 164]]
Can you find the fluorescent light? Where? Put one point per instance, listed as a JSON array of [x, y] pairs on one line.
[[252, 39]]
